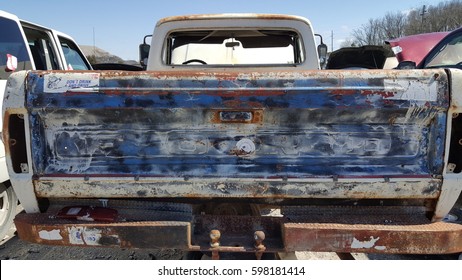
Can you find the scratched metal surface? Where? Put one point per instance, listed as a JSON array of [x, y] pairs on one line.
[[313, 124]]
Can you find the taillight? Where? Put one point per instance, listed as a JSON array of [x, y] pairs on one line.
[[455, 151], [17, 143]]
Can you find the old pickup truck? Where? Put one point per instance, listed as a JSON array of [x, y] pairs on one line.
[[235, 140]]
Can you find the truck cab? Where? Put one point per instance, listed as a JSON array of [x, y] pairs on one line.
[[230, 41], [28, 46]]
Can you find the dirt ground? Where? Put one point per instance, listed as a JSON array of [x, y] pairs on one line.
[[16, 249]]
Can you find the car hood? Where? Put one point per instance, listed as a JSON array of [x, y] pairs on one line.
[[365, 57], [415, 47]]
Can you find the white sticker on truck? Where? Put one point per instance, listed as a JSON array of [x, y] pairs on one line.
[[84, 236], [54, 83]]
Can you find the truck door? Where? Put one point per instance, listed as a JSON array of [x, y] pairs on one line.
[[42, 49]]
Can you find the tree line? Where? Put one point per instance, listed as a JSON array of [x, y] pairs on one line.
[[445, 16]]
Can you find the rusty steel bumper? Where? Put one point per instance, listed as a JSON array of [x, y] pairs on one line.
[[245, 234]]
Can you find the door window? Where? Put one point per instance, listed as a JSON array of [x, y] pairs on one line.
[[74, 57], [12, 44], [41, 47]]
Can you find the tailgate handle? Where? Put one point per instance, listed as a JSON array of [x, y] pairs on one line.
[[236, 116]]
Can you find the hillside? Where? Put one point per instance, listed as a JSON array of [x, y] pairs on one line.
[[97, 55]]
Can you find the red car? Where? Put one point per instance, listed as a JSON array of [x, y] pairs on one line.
[[430, 50], [415, 47]]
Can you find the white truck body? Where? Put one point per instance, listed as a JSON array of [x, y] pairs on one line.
[[25, 42]]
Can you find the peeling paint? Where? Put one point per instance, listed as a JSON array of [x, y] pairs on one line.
[[50, 235], [357, 188], [297, 124], [412, 90], [367, 244]]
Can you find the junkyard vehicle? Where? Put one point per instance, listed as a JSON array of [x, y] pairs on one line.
[[28, 46], [234, 140], [415, 47], [364, 57]]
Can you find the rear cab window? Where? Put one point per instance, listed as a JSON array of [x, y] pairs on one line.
[[233, 47]]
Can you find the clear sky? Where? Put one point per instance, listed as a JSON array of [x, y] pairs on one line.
[[118, 26]]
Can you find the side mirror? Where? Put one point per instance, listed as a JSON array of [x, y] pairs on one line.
[[322, 52], [406, 65], [232, 44], [144, 54]]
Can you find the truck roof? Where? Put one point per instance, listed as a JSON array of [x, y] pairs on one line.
[[11, 16], [232, 16]]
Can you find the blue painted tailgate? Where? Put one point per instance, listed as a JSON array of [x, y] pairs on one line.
[[189, 124]]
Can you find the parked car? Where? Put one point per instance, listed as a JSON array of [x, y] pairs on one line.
[[416, 49], [116, 66], [364, 57]]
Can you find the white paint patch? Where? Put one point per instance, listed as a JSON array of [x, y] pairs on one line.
[[74, 211], [86, 218], [412, 90], [50, 235], [356, 244], [221, 187], [84, 236], [54, 83]]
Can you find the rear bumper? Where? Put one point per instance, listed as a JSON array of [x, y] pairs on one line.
[[239, 234]]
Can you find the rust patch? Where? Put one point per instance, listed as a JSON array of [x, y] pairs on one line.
[[384, 94], [436, 238], [256, 116], [247, 234], [225, 16]]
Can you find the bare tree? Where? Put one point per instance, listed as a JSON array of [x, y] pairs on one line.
[[377, 31], [349, 42], [414, 23], [445, 16], [369, 34], [393, 25]]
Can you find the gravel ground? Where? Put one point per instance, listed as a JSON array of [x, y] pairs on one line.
[[16, 249]]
